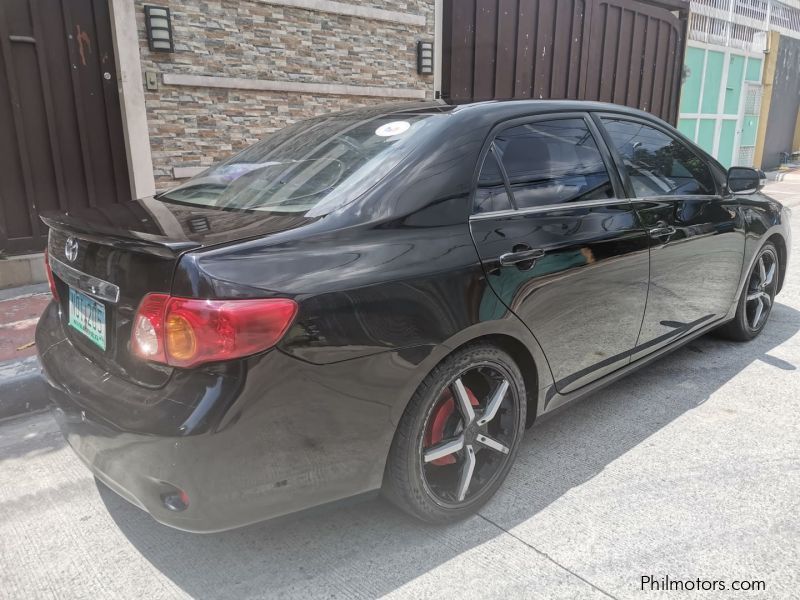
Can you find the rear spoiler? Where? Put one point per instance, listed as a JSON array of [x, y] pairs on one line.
[[144, 243]]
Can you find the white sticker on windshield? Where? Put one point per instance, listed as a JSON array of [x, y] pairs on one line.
[[393, 128]]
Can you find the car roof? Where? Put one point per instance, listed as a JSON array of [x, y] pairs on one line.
[[497, 110], [513, 108]]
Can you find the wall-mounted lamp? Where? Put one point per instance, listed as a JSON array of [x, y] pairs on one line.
[[159, 29], [425, 58]]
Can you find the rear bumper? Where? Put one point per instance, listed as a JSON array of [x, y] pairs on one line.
[[136, 467], [260, 439]]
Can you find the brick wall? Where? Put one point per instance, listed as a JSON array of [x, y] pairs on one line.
[[197, 126]]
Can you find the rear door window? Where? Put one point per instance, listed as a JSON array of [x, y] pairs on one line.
[[492, 194], [553, 162]]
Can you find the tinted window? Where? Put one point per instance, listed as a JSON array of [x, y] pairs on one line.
[[551, 162], [491, 194], [657, 164], [310, 167]]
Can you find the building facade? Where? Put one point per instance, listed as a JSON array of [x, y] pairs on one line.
[[102, 101], [738, 50], [93, 113], [242, 69]]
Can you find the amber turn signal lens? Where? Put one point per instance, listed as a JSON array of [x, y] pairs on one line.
[[181, 340]]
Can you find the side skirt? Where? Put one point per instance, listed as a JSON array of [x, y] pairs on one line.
[[554, 402]]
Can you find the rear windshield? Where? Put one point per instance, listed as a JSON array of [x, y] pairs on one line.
[[310, 167]]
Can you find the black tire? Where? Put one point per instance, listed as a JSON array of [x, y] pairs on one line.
[[416, 485], [744, 326]]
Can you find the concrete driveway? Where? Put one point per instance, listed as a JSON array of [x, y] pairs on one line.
[[688, 469]]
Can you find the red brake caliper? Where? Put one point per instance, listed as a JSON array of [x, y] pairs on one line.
[[441, 414]]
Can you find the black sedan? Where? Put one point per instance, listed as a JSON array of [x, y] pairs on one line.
[[384, 299]]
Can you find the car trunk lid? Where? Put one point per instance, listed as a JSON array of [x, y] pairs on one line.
[[113, 257]]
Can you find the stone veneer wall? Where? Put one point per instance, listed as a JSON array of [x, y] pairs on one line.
[[253, 39]]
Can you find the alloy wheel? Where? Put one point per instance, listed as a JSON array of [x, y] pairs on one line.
[[468, 435], [761, 289]]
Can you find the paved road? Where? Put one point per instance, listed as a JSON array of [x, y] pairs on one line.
[[18, 318], [689, 469]]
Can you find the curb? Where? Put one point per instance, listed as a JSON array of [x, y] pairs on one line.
[[23, 291], [788, 176], [22, 389], [25, 269]]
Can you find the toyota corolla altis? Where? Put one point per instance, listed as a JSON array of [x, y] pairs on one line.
[[384, 299]]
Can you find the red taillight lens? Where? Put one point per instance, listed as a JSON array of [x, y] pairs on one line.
[[50, 280], [200, 331], [186, 332]]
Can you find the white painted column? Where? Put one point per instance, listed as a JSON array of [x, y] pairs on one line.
[[131, 95], [437, 47]]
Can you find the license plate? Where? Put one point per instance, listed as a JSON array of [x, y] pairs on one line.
[[87, 316]]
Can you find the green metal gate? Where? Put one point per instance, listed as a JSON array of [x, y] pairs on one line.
[[720, 100]]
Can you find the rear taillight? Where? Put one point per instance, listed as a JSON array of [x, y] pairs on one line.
[[50, 280], [147, 335], [186, 332]]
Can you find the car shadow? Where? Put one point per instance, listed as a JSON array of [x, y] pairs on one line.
[[370, 549]]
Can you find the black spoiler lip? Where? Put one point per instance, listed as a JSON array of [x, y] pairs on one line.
[[123, 239]]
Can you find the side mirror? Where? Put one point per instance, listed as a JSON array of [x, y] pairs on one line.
[[742, 180]]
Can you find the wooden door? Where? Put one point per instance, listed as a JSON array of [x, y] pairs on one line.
[[623, 51], [61, 138]]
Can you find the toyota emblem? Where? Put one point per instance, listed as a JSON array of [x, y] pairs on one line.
[[71, 249]]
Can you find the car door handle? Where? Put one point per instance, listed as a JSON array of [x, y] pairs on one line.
[[512, 258], [662, 231]]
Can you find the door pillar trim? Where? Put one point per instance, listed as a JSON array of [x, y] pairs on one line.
[[131, 94]]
